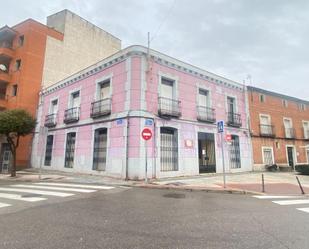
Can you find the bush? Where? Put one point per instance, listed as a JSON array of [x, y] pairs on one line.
[[302, 168]]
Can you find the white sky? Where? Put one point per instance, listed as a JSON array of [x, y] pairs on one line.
[[267, 39]]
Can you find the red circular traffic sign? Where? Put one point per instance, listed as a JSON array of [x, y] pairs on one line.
[[146, 134], [228, 137]]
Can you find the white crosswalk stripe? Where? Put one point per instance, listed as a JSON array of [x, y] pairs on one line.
[[34, 191], [4, 205], [21, 198], [291, 200], [56, 188], [74, 185]]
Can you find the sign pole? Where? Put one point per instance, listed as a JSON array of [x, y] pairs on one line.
[[146, 166], [223, 161]]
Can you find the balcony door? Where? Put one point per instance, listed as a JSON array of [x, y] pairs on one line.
[[265, 124], [167, 88], [231, 106], [54, 107], [75, 100], [288, 127], [203, 98], [104, 90]]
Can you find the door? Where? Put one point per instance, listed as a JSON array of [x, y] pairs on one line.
[[6, 156], [206, 153], [168, 149], [70, 150], [235, 162], [288, 128], [104, 90], [231, 105], [100, 149], [290, 151]]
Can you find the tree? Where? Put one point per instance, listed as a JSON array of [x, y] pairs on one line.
[[14, 124]]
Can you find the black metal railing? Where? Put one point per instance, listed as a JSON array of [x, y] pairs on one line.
[[206, 114], [51, 120], [267, 130], [71, 115], [289, 133], [100, 108], [169, 107], [234, 119]]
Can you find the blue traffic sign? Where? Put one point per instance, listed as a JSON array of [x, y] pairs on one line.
[[148, 122], [220, 126]]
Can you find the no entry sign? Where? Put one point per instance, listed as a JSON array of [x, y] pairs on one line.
[[146, 134], [228, 137]]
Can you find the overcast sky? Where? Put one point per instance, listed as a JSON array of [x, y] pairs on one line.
[[267, 39]]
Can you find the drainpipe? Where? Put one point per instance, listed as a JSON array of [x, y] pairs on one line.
[[127, 146]]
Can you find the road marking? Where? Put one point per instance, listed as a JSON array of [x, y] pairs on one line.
[[21, 198], [303, 209], [275, 196], [4, 205], [74, 185], [292, 202], [34, 191], [56, 188]]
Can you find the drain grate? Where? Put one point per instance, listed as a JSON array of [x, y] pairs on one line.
[[175, 196]]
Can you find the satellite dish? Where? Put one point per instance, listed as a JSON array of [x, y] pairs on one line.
[[2, 67]]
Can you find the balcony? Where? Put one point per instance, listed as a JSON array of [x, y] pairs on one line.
[[267, 131], [71, 115], [51, 120], [289, 133], [234, 119], [206, 114], [169, 107], [5, 76], [6, 51], [100, 108]]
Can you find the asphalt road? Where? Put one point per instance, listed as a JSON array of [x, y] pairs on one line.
[[148, 218]]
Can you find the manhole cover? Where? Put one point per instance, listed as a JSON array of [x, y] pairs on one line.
[[31, 195], [175, 195]]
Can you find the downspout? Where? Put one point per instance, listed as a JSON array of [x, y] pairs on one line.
[[127, 146]]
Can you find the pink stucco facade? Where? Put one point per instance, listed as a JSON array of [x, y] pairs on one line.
[[135, 86]]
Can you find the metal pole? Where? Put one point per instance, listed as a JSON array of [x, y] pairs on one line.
[[146, 166], [223, 163], [300, 186], [263, 184]]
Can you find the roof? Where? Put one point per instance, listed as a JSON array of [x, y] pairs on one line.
[[278, 95]]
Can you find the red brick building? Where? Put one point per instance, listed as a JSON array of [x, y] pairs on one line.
[[279, 127]]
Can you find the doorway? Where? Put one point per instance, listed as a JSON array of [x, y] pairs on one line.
[[290, 153], [206, 152], [5, 158]]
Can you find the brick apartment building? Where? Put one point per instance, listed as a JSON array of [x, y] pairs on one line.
[[279, 128], [34, 55]]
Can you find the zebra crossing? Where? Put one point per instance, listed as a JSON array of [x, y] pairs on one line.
[[42, 191], [287, 200]]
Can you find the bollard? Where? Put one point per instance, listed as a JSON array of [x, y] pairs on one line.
[[300, 186], [263, 184]]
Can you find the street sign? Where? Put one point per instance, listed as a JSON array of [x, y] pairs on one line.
[[228, 137], [146, 134], [148, 122], [220, 126]]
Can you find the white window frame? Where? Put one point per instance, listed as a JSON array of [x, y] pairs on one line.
[[285, 103], [305, 134], [98, 83], [175, 84], [294, 154], [262, 96], [272, 153], [226, 102], [50, 105], [70, 100], [201, 87], [265, 115]]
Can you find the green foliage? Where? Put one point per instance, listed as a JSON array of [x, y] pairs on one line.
[[302, 168], [16, 121]]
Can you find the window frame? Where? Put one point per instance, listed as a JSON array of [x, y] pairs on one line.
[[272, 154]]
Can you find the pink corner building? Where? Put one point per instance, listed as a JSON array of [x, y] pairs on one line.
[[92, 121]]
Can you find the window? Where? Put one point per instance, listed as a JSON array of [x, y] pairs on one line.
[[288, 126], [70, 150], [75, 100], [48, 150], [265, 125], [54, 107], [167, 88], [302, 107], [103, 90], [100, 149], [268, 156], [235, 162], [262, 98], [231, 106], [306, 129], [17, 64], [14, 90], [204, 99], [21, 40], [277, 145], [285, 103], [169, 149]]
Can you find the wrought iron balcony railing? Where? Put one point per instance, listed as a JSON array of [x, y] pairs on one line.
[[267, 130], [169, 107], [206, 114], [71, 115], [234, 119], [100, 108], [51, 120]]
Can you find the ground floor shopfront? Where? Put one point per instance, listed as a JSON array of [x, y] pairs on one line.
[[283, 152], [116, 148]]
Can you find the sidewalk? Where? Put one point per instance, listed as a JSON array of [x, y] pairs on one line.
[[281, 183]]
